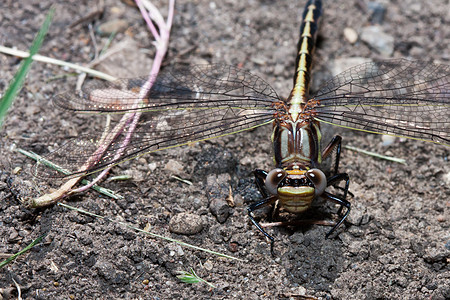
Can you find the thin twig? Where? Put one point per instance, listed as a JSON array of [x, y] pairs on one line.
[[45, 59], [19, 291], [119, 178], [181, 179], [374, 154]]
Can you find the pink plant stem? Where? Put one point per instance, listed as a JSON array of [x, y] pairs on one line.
[[161, 49], [147, 19], [66, 188], [118, 129], [129, 119]]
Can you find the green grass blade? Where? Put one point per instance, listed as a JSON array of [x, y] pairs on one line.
[[191, 278], [14, 256], [18, 80]]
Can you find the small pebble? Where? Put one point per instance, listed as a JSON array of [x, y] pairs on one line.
[[440, 218], [17, 170], [208, 265], [180, 251], [174, 167], [185, 223], [218, 191], [32, 110], [13, 235], [433, 255], [446, 179], [234, 247], [301, 291], [387, 140], [117, 10], [350, 35], [112, 26], [238, 200], [220, 209], [152, 166]]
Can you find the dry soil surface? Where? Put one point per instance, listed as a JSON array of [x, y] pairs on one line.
[[396, 244]]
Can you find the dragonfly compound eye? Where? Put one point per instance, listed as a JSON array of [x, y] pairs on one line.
[[273, 179], [318, 178]]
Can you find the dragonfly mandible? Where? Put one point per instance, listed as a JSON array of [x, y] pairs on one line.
[[190, 104]]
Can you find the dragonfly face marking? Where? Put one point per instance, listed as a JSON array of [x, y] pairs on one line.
[[297, 191]]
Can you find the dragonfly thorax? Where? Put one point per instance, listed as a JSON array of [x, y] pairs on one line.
[[296, 143]]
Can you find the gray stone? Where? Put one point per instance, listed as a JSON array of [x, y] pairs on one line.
[[342, 64], [186, 223], [377, 39]]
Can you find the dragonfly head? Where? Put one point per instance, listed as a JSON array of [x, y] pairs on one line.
[[296, 189]]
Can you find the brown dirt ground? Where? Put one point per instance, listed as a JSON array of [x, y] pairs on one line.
[[400, 252]]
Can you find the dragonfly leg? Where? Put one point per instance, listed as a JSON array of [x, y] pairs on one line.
[[332, 180], [257, 205], [336, 141], [260, 177], [342, 201]]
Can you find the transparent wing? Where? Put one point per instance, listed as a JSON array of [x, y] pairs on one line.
[[198, 87], [183, 106], [395, 97]]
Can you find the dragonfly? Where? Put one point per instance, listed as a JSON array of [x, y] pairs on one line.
[[190, 104]]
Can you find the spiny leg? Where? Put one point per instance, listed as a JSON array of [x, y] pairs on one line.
[[335, 143], [341, 201], [260, 177], [257, 205]]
